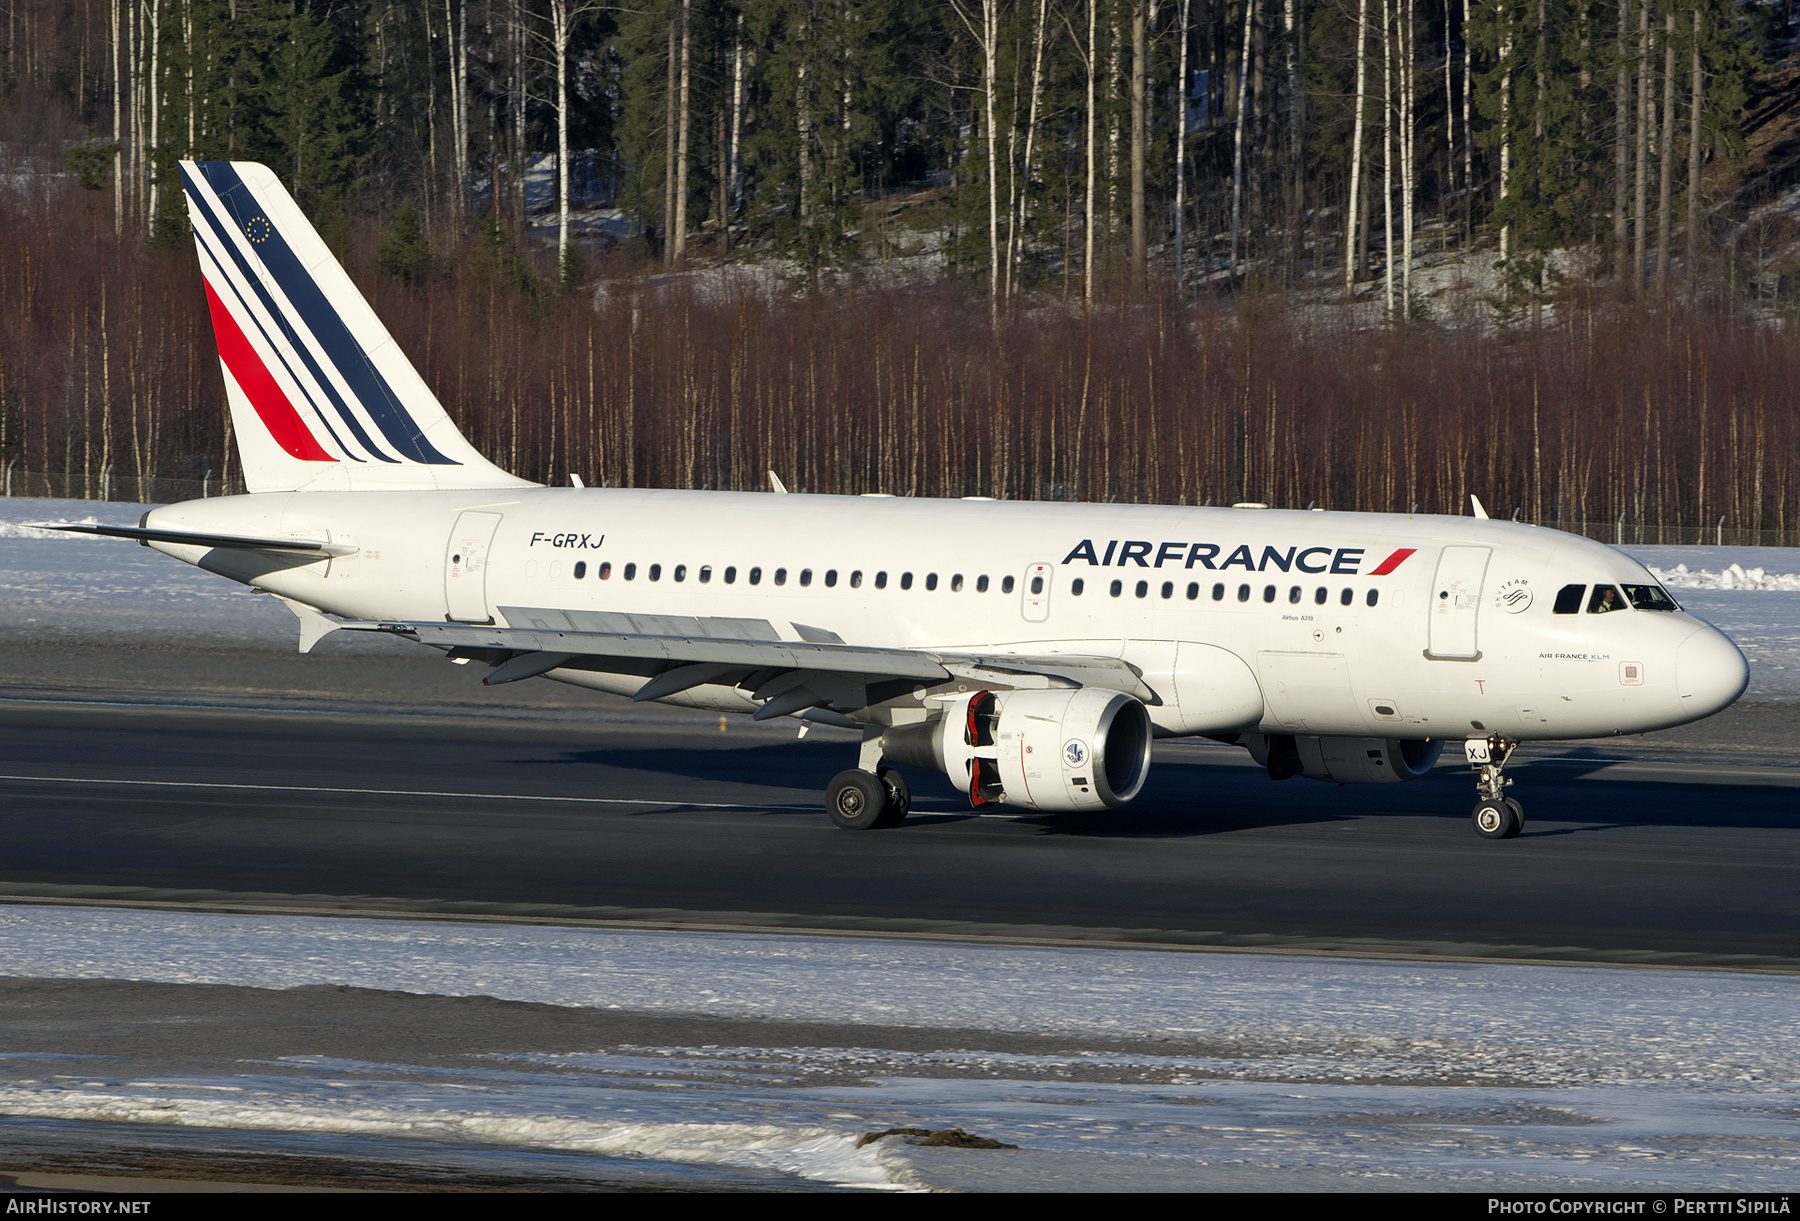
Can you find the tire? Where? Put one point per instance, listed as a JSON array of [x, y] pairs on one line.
[[899, 798], [1495, 820], [856, 800], [1518, 818]]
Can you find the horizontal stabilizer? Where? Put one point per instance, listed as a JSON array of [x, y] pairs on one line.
[[191, 538]]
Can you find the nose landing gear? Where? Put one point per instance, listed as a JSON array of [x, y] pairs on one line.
[[1496, 815]]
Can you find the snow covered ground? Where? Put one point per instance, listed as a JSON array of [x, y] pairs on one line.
[[1297, 1070], [68, 582]]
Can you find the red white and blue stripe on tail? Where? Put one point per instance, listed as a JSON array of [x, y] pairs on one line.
[[321, 396]]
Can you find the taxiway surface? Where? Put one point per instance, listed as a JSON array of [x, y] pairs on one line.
[[1671, 858]]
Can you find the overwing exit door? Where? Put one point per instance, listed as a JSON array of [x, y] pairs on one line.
[[1456, 604], [466, 567], [1036, 604]]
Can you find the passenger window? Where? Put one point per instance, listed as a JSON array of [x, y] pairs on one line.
[[1568, 599], [580, 569], [1168, 589], [781, 576], [1294, 594], [906, 580], [1374, 596], [705, 573], [756, 576], [731, 576], [856, 579], [830, 578], [956, 583], [1319, 595], [1243, 593], [1604, 599], [1219, 593], [931, 580], [1650, 597], [631, 572], [1118, 587], [681, 572], [1193, 590], [1075, 587], [1268, 593], [1037, 585], [881, 580], [1347, 597], [981, 584], [606, 570], [805, 576], [1006, 585], [1143, 587], [656, 572]]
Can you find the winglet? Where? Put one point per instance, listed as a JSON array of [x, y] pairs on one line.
[[775, 484], [1475, 503]]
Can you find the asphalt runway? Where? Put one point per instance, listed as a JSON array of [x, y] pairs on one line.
[[1674, 857]]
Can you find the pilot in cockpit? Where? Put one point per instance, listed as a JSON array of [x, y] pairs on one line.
[[1604, 599]]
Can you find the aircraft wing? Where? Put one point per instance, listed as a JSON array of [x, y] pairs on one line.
[[676, 653]]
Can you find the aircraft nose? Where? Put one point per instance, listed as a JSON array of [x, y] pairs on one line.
[[1710, 672]]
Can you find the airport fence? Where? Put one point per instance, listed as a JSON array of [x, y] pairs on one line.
[[109, 485]]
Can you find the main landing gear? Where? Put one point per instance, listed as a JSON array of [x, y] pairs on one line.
[[868, 796], [1496, 815], [862, 801]]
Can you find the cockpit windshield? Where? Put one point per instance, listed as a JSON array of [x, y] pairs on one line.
[[1651, 598], [1604, 598]]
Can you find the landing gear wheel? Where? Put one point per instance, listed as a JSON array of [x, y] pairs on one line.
[[1497, 819], [899, 798], [1518, 819], [856, 800]]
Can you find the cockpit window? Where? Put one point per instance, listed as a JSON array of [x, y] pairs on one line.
[[1604, 598], [1650, 597], [1568, 599]]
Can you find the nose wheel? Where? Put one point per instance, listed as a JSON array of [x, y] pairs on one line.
[[1496, 815]]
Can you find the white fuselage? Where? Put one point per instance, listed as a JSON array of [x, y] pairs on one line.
[[1238, 619]]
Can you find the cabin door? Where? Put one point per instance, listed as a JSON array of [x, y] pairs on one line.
[[1456, 604]]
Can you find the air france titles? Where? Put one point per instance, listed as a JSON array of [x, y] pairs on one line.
[[1340, 561]]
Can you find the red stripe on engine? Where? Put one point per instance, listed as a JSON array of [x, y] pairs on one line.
[[252, 376], [1393, 561]]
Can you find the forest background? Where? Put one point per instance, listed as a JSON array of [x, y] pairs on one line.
[[1349, 254]]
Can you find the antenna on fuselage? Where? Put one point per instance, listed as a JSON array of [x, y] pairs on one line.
[[1475, 503], [775, 484]]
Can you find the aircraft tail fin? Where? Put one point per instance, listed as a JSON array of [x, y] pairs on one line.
[[322, 398]]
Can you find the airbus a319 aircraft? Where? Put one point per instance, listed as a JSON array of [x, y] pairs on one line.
[[1029, 652]]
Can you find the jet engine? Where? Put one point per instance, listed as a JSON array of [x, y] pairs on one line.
[[1084, 748], [1343, 760]]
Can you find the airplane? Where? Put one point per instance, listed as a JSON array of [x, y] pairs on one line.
[[1029, 652]]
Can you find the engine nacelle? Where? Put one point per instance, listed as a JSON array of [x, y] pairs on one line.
[[1343, 760], [1083, 748]]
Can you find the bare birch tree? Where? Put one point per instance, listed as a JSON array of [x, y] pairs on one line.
[[1352, 247]]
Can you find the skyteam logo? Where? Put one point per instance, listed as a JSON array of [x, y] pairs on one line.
[[1339, 561]]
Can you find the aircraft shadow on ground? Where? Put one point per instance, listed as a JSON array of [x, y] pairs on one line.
[[1186, 798]]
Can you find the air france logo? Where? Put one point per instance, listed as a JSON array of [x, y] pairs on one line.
[[1339, 561], [1075, 752]]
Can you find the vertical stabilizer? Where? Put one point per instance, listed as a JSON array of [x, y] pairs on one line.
[[322, 399]]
